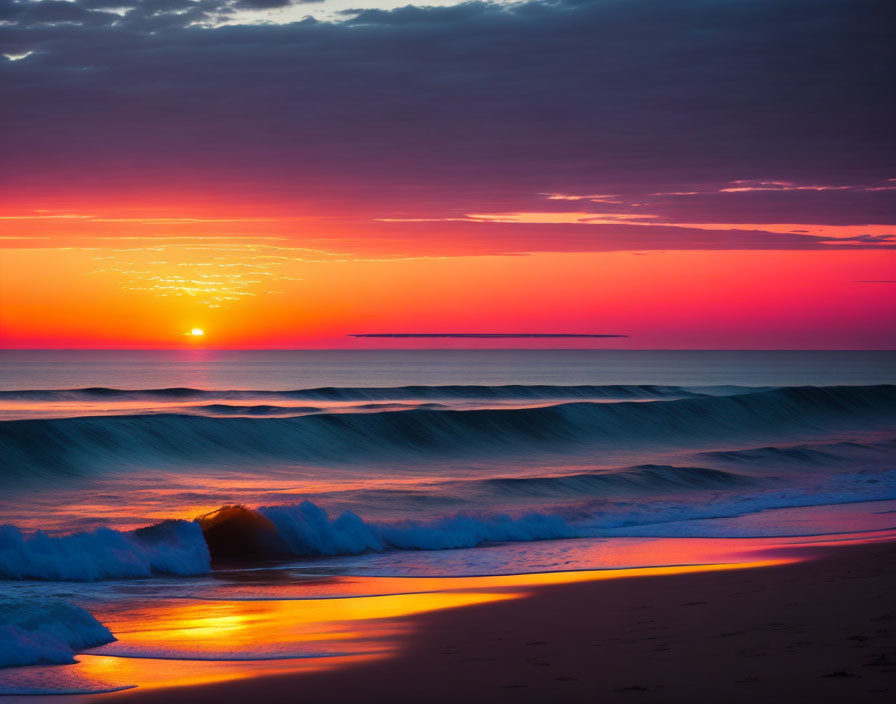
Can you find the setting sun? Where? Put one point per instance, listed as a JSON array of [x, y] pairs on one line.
[[197, 332]]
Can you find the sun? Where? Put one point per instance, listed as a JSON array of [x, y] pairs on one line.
[[196, 332]]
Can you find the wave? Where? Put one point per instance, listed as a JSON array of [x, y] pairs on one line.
[[185, 548], [307, 530], [643, 479], [812, 455], [393, 393], [46, 631], [225, 409], [647, 477], [73, 445], [172, 547]]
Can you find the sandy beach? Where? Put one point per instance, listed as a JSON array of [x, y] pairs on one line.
[[820, 630]]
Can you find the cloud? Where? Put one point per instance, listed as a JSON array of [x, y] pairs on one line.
[[484, 335], [748, 186], [54, 13], [436, 112], [265, 4], [811, 233], [591, 199]]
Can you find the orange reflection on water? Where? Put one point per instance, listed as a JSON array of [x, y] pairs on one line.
[[177, 644], [180, 643], [272, 628], [155, 673], [542, 579]]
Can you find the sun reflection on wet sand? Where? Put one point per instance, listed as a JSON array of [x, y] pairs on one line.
[[184, 642], [238, 630]]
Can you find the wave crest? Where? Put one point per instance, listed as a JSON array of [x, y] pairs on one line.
[[360, 393], [46, 631], [172, 547], [646, 477], [73, 445]]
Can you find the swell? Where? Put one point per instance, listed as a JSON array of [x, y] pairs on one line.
[[395, 393], [809, 455], [643, 478], [646, 479], [73, 445], [224, 409]]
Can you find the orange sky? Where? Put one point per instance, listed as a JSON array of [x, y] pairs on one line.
[[691, 174], [130, 280]]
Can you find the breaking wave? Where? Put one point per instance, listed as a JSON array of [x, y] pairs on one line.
[[171, 547], [185, 547], [307, 530], [46, 631]]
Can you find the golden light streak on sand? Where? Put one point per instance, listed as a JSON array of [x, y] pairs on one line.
[[179, 643]]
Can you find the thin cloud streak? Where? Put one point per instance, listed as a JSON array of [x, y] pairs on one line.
[[482, 335]]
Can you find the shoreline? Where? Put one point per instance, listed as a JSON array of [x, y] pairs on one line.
[[821, 630]]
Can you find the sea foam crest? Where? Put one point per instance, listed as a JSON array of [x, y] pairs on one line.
[[48, 631], [171, 547], [307, 529]]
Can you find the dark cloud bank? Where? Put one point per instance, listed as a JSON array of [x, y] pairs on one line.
[[471, 108]]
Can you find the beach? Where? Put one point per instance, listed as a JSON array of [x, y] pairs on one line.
[[820, 630]]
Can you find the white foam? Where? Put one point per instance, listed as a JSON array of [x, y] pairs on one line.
[[34, 631], [307, 529], [172, 547]]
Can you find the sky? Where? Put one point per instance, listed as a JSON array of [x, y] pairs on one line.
[[707, 174]]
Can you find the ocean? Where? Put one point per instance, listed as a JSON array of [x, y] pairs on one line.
[[147, 488]]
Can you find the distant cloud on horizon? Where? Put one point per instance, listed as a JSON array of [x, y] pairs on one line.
[[483, 335]]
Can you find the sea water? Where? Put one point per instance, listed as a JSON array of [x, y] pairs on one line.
[[352, 474]]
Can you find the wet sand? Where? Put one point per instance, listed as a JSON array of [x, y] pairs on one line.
[[823, 630]]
